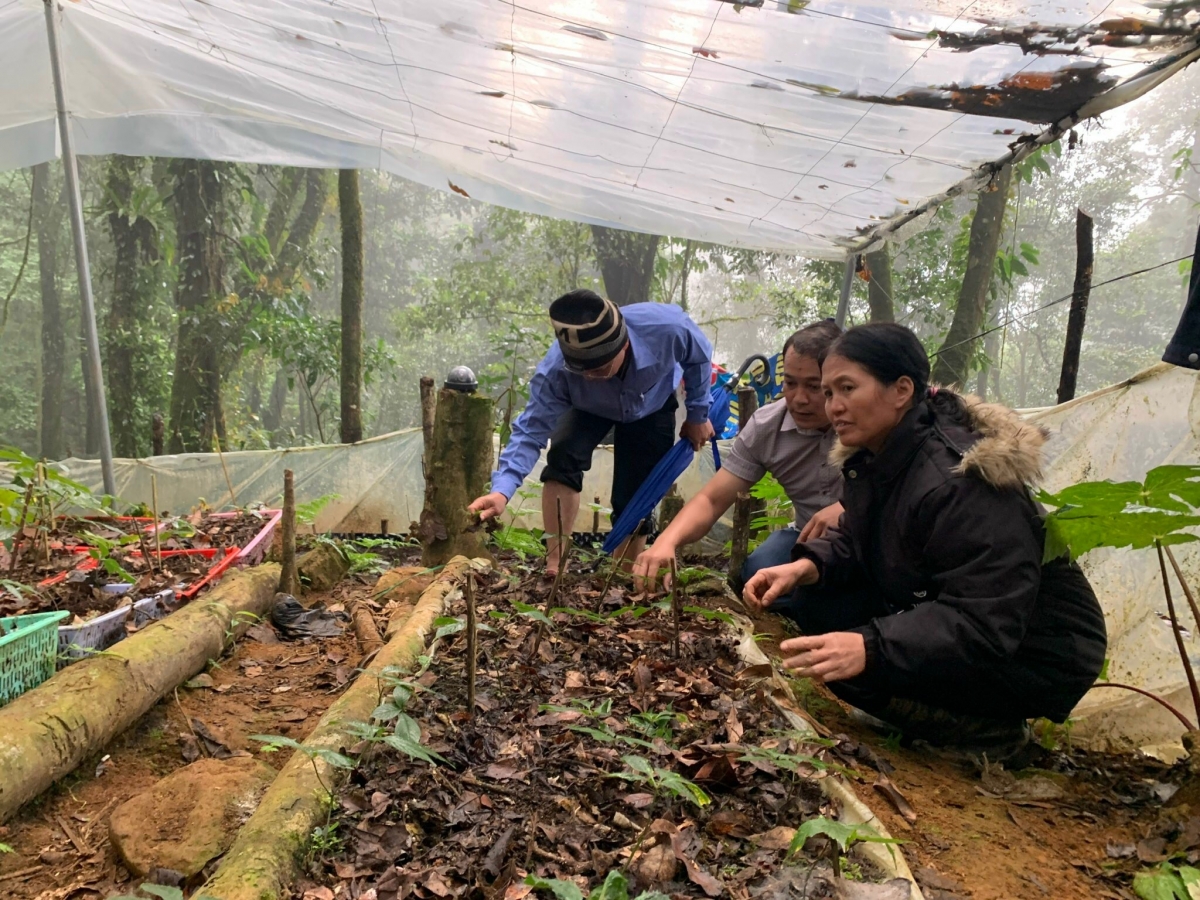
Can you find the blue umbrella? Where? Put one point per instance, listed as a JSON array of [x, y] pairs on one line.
[[674, 464]]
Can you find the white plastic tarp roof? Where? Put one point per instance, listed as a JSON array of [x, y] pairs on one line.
[[782, 124]]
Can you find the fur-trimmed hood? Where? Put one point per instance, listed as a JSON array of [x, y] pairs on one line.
[[1007, 453]]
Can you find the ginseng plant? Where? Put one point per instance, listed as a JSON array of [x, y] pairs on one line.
[[1157, 512]]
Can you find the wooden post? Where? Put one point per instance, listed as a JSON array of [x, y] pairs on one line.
[[1084, 257], [289, 580], [739, 547], [747, 399], [671, 505], [428, 411], [596, 516], [457, 471], [158, 432]]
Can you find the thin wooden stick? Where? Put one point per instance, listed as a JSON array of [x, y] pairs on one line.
[[1157, 699], [289, 583], [12, 563], [675, 605], [1187, 663], [225, 469], [564, 557], [1187, 591], [157, 522], [472, 641], [617, 564]]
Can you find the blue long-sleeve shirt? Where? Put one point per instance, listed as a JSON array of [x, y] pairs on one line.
[[665, 345]]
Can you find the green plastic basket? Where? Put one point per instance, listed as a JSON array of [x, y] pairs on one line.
[[28, 652]]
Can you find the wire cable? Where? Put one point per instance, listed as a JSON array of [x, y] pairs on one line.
[[1011, 319]]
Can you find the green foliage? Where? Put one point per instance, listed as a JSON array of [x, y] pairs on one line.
[[777, 507], [1168, 882], [5, 848], [522, 541], [1128, 514], [843, 835], [103, 551], [306, 513], [657, 723], [53, 492], [614, 887], [659, 780], [531, 612], [273, 742], [163, 892]]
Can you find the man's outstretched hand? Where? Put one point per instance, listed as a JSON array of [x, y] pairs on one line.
[[489, 506], [698, 433]]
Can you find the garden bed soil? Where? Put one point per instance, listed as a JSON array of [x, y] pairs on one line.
[[976, 835], [603, 751], [264, 686], [80, 582]]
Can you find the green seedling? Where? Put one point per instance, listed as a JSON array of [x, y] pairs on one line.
[[163, 892], [532, 612], [522, 541], [1168, 882], [273, 742], [657, 724], [325, 841], [660, 781], [103, 551], [790, 762], [841, 837], [5, 848], [614, 887]]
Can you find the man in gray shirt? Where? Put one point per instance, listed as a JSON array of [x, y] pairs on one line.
[[789, 438]]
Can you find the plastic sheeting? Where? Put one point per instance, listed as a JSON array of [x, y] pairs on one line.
[[795, 125], [1120, 433]]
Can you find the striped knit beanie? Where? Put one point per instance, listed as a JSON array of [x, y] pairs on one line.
[[590, 329]]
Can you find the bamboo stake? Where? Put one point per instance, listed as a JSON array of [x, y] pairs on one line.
[[617, 564], [1187, 591], [1187, 663], [157, 522], [563, 560], [472, 641], [12, 563], [289, 581], [596, 516], [675, 604]]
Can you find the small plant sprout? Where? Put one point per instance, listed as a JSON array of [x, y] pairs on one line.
[[5, 848], [614, 887], [273, 742], [841, 838], [661, 781], [404, 734], [1168, 882]]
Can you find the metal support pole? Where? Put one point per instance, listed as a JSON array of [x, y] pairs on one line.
[[844, 299], [75, 201]]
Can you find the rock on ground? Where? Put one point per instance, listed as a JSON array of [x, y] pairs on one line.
[[190, 817], [322, 567]]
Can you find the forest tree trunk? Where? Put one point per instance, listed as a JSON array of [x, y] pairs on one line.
[[953, 364], [295, 244], [350, 204], [275, 228], [1084, 259], [879, 287], [196, 413], [133, 245], [460, 464], [689, 253], [626, 262], [48, 221]]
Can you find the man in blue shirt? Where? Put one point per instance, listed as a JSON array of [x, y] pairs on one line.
[[611, 368]]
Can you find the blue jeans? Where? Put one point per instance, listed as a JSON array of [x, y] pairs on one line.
[[776, 550]]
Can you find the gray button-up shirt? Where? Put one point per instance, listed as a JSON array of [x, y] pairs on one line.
[[798, 458]]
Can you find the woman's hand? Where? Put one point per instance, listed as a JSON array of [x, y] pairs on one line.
[[826, 657], [821, 522], [768, 585]]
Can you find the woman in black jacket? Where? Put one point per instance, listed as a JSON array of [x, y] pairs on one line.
[[931, 607]]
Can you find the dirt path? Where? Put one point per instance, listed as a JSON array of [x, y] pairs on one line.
[[60, 841]]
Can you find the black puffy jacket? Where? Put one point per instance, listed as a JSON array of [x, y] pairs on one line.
[[941, 524]]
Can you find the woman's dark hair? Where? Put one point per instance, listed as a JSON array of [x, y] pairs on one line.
[[890, 351], [813, 340]]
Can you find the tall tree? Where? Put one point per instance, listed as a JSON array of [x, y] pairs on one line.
[[626, 261], [879, 285], [299, 236], [196, 412], [351, 211], [135, 248], [48, 221], [953, 364]]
